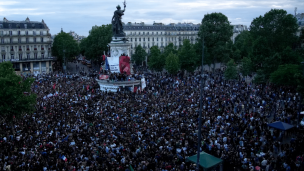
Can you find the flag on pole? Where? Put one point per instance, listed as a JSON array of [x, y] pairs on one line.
[[131, 168], [64, 158]]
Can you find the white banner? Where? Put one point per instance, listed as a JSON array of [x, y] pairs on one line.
[[143, 83], [108, 88], [113, 63]]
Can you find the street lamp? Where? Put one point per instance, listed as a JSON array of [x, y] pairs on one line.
[[300, 99], [200, 110], [64, 66]]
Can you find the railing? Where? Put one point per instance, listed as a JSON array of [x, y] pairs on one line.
[[30, 59]]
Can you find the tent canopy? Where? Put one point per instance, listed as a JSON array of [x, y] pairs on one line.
[[280, 125], [206, 160]]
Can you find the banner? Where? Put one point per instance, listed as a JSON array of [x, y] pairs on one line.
[[108, 88], [143, 83], [124, 64], [113, 63], [103, 77]]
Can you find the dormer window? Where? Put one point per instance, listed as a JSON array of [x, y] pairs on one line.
[[9, 25], [25, 26], [33, 25]]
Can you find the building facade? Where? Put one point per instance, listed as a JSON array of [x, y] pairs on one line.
[[159, 34], [76, 36], [27, 44]]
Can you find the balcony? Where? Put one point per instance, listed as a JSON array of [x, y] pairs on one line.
[[30, 59], [20, 49], [35, 48], [12, 49]]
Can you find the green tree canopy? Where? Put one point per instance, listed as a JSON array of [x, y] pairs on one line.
[[273, 35], [285, 75], [139, 56], [96, 43], [187, 57], [231, 70], [217, 32], [246, 66], [155, 60], [172, 63], [16, 98], [65, 45]]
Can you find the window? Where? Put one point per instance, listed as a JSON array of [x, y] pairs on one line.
[[12, 56], [35, 55], [135, 39], [147, 33], [1, 33], [2, 40], [27, 47], [34, 40], [35, 47], [3, 57], [157, 39], [148, 39], [144, 39], [10, 33], [153, 39], [26, 32], [34, 33], [20, 49], [28, 56], [139, 39], [1, 25], [12, 48], [19, 40], [26, 66], [9, 25], [42, 55], [25, 26], [18, 33], [138, 33], [41, 33], [20, 56], [26, 40], [131, 39], [11, 40], [41, 39], [157, 33]]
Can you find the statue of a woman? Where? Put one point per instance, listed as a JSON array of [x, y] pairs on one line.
[[117, 27]]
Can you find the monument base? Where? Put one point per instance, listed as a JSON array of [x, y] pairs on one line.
[[120, 47], [106, 85]]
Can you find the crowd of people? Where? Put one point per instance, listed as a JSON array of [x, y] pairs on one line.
[[77, 127]]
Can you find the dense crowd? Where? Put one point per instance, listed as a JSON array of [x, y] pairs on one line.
[[78, 127]]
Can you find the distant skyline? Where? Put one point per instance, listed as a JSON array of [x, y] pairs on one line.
[[81, 15]]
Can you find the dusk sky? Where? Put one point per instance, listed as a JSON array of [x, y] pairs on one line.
[[81, 15]]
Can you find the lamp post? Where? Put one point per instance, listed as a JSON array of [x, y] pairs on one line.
[[200, 110], [300, 99], [64, 66]]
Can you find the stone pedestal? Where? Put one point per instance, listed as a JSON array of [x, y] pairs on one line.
[[119, 46]]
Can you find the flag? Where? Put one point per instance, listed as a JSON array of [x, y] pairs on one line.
[[131, 168], [117, 116], [64, 158], [54, 86], [135, 89], [88, 87]]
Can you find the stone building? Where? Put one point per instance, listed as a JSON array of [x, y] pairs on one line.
[[159, 34], [27, 44]]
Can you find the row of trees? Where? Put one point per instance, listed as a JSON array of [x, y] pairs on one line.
[[270, 49]]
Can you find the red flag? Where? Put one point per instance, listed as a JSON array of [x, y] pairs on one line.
[[54, 86], [135, 89], [88, 87]]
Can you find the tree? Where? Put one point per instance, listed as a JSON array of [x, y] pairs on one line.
[[243, 43], [246, 66], [83, 45], [16, 98], [139, 56], [96, 43], [272, 35], [187, 57], [217, 31], [172, 63], [231, 70], [155, 60], [285, 75], [64, 45]]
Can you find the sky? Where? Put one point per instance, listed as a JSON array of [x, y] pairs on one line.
[[81, 15]]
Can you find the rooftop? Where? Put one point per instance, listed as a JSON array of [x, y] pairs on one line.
[[26, 24]]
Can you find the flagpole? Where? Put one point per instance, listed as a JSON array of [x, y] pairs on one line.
[[200, 111]]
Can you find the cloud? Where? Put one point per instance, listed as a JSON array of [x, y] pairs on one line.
[[80, 15]]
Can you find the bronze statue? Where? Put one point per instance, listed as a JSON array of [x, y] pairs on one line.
[[117, 26]]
